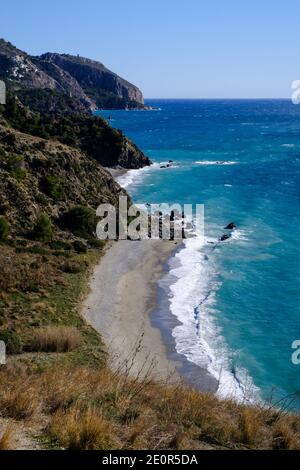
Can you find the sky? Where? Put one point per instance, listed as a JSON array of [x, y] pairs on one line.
[[170, 48]]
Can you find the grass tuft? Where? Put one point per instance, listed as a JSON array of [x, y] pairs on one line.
[[55, 339], [6, 439], [77, 430]]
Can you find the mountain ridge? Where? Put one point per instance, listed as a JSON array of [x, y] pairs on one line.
[[88, 83]]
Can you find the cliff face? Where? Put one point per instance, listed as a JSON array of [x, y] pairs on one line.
[[95, 78], [89, 84], [64, 81]]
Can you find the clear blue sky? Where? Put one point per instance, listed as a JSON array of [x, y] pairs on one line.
[[170, 48]]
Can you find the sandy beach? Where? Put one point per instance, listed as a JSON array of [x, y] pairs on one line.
[[123, 292]]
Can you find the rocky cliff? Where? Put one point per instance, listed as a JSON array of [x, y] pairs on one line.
[[80, 83], [95, 79]]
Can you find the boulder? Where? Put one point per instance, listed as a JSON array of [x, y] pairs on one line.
[[224, 237], [230, 226]]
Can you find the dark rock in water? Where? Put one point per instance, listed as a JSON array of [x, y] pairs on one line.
[[163, 166], [224, 237], [230, 226], [170, 161]]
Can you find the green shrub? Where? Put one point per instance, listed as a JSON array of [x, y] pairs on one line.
[[12, 341], [96, 243], [81, 221], [14, 162], [21, 242], [41, 199], [63, 253], [60, 245], [72, 268], [4, 229], [79, 247], [18, 173], [43, 230], [52, 186]]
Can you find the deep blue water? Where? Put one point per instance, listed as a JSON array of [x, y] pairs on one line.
[[252, 312]]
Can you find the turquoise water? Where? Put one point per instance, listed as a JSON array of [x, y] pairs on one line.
[[237, 303]]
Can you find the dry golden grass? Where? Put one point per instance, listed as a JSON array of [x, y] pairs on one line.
[[62, 388], [81, 430], [286, 434], [55, 339], [87, 408], [6, 438], [251, 426], [19, 397]]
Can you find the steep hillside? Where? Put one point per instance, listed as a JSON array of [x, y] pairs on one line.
[[45, 177], [91, 134]]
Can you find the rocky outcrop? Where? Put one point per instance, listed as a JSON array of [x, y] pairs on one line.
[[130, 156]]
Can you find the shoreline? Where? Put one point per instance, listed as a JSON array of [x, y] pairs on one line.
[[130, 310], [156, 321], [123, 293]]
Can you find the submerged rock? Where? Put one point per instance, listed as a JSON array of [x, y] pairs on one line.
[[230, 226], [224, 237]]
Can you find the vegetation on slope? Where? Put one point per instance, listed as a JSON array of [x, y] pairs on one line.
[[91, 134]]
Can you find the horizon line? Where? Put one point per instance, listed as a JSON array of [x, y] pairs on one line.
[[216, 99]]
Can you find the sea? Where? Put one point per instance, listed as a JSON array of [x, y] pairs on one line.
[[236, 304]]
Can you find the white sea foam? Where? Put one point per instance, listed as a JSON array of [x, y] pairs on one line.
[[134, 175], [288, 145], [198, 336], [218, 162], [239, 235]]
